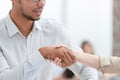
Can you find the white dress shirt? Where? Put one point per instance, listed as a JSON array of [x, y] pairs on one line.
[[20, 58]]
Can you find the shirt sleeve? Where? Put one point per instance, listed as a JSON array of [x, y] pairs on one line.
[[26, 70], [109, 64], [88, 73]]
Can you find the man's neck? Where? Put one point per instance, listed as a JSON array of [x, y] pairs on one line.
[[24, 25]]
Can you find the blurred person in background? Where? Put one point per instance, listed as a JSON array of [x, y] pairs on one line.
[[87, 47]]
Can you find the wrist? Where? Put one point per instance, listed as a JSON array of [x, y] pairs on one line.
[[43, 52], [78, 55]]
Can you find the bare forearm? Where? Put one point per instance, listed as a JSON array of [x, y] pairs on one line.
[[87, 59]]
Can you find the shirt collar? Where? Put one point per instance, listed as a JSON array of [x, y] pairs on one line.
[[38, 24], [12, 29]]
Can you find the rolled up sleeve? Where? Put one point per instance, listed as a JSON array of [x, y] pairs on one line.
[[109, 64]]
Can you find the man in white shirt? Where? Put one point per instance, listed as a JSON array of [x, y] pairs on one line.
[[26, 41]]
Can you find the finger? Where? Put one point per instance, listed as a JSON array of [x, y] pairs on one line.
[[72, 55], [65, 58], [70, 52], [58, 46], [57, 61], [69, 59], [51, 60], [62, 54], [61, 45], [63, 65], [69, 55], [59, 64]]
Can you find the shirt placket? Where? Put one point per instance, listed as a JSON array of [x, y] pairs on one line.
[[29, 45]]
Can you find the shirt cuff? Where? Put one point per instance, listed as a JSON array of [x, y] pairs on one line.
[[104, 61], [76, 68], [37, 60]]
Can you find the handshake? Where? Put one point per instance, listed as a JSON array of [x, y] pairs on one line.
[[60, 55]]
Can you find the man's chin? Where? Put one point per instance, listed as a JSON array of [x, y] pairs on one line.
[[34, 19]]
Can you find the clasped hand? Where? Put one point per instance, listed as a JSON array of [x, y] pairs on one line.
[[61, 55]]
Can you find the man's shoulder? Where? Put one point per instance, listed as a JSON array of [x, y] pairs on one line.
[[50, 23], [2, 23]]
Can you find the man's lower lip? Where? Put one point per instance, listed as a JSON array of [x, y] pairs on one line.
[[39, 13]]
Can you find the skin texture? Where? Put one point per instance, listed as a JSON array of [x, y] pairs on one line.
[[64, 55]]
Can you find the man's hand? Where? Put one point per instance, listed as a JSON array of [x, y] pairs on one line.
[[65, 54]]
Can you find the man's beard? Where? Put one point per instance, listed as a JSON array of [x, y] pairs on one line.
[[25, 15], [30, 17]]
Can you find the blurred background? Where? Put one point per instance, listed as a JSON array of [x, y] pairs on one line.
[[95, 21]]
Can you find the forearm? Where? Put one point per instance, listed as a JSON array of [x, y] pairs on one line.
[[105, 64], [87, 59]]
